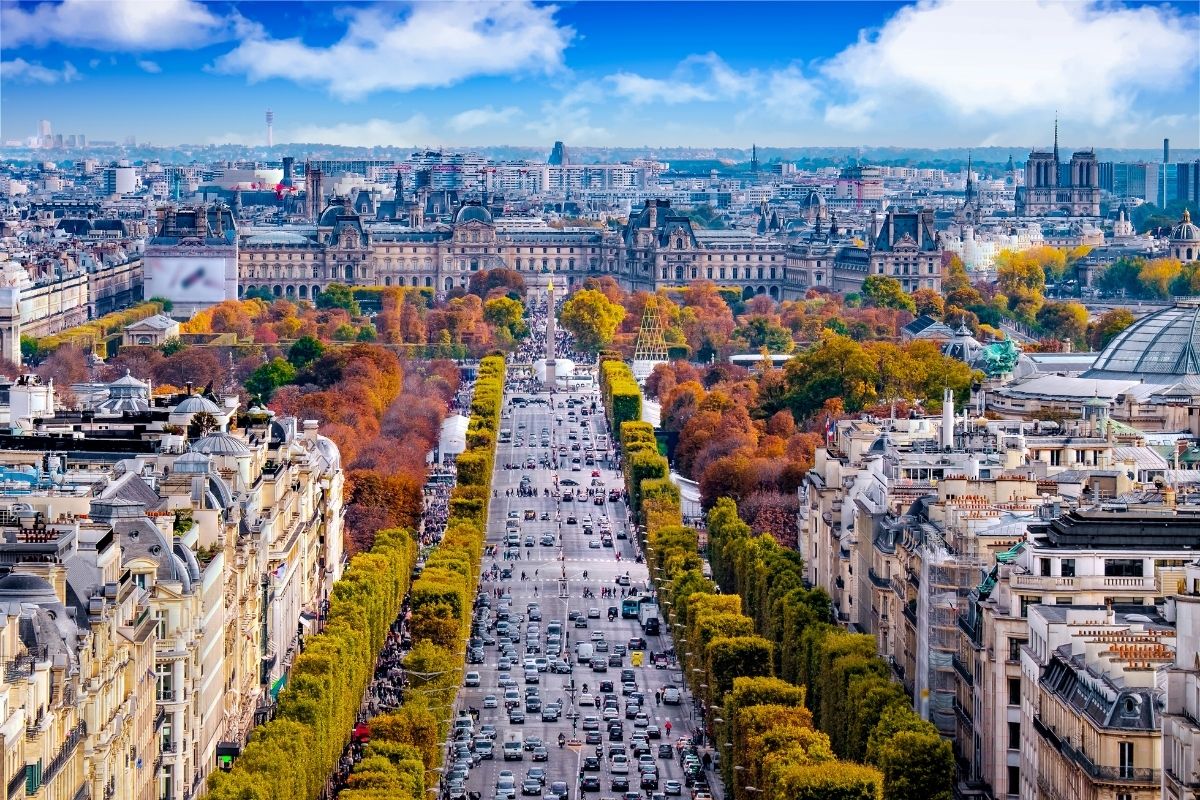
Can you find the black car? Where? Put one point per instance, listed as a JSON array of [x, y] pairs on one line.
[[616, 733], [650, 780], [516, 717], [666, 751], [591, 764], [590, 783], [620, 783]]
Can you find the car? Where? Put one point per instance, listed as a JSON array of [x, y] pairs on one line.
[[593, 737], [637, 643], [571, 520], [606, 686], [533, 741], [488, 730], [653, 732], [619, 783], [490, 701], [601, 646], [558, 791], [650, 780], [591, 723], [484, 748], [581, 622], [528, 541], [471, 680], [622, 580], [593, 613], [516, 717], [586, 699], [533, 705], [671, 696], [665, 750], [632, 710], [538, 774], [599, 666], [597, 636], [550, 714], [574, 614], [593, 544], [615, 660], [531, 787], [619, 765], [590, 783], [673, 787], [547, 540], [591, 764], [560, 667]]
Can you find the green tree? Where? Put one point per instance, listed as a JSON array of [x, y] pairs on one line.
[[834, 367], [1111, 322], [167, 305], [270, 376], [760, 331], [260, 293], [885, 292], [29, 347], [916, 765], [305, 351], [591, 318], [507, 314], [1064, 320], [172, 346], [337, 295]]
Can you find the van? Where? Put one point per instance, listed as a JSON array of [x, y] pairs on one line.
[[583, 652], [514, 747]]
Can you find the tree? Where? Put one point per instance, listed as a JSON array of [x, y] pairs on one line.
[[506, 314], [1067, 320], [305, 351], [761, 331], [337, 295], [834, 367], [259, 293], [483, 282], [591, 318], [885, 292], [928, 301], [270, 376]]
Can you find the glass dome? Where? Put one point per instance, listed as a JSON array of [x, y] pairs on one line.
[[1160, 348]]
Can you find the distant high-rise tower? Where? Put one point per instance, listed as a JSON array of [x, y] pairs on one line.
[[754, 158], [1166, 160], [558, 156], [270, 128]]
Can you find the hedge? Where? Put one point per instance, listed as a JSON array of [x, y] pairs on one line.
[[94, 333], [622, 396], [294, 755]]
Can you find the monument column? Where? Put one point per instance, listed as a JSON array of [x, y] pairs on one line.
[[551, 378]]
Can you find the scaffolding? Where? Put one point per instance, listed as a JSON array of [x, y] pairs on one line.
[[651, 347]]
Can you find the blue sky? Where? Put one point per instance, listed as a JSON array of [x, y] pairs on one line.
[[938, 73]]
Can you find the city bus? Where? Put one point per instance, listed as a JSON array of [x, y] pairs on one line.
[[629, 608]]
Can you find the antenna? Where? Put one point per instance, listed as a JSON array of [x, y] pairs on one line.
[[270, 128]]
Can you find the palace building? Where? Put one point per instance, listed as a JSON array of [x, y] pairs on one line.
[[657, 248]]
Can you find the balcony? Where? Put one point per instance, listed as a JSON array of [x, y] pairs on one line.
[[963, 714], [16, 784], [1089, 583], [879, 583], [1109, 774], [962, 670], [910, 613], [65, 752]]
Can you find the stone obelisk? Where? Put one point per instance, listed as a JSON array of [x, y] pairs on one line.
[[551, 377]]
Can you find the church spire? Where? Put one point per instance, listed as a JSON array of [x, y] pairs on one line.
[[1055, 137], [970, 183]]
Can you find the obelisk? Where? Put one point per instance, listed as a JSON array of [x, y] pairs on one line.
[[551, 377]]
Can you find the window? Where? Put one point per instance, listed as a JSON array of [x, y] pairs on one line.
[[1123, 567], [1125, 751], [1014, 736], [1067, 568], [1014, 648], [1014, 780], [1014, 691], [1026, 602], [1044, 566]]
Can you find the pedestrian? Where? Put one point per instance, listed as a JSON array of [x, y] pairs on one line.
[[657, 694]]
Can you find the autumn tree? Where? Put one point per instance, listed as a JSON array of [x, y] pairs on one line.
[[1065, 320], [591, 318], [885, 292], [506, 315], [928, 301], [484, 282]]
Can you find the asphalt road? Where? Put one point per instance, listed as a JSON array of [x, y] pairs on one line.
[[549, 563]]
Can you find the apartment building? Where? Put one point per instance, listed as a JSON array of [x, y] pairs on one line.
[[229, 540], [1181, 716]]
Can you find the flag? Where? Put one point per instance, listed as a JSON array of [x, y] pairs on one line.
[[280, 571]]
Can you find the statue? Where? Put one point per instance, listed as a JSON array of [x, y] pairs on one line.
[[999, 358]]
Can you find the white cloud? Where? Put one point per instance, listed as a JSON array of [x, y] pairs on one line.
[[119, 24], [569, 118], [789, 94], [432, 45], [1086, 60], [93, 63], [145, 65], [21, 71], [374, 132], [698, 78], [482, 118]]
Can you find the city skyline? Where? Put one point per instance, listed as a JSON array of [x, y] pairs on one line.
[[602, 74]]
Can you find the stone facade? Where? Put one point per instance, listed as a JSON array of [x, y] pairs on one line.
[[657, 248]]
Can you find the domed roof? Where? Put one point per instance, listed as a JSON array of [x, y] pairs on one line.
[[128, 381], [26, 588], [1185, 231], [1159, 348], [329, 216], [192, 463], [473, 212], [195, 404], [221, 444]]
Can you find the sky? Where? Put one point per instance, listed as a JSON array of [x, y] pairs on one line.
[[938, 73]]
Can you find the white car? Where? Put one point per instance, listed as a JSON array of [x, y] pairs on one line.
[[619, 764], [671, 696], [472, 679]]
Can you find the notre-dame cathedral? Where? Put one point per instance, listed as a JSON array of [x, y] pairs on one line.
[[1049, 189]]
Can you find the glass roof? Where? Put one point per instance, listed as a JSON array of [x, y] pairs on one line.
[[1165, 344]]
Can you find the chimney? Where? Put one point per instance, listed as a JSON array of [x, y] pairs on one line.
[[947, 432], [653, 206], [289, 168]]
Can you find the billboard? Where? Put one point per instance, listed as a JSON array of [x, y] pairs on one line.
[[185, 279]]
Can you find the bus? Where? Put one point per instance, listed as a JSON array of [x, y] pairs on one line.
[[629, 608]]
